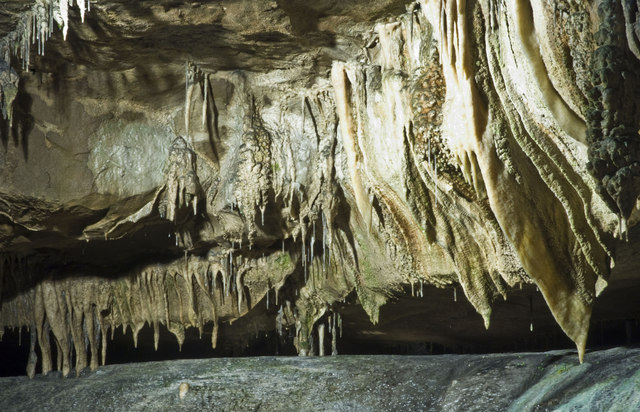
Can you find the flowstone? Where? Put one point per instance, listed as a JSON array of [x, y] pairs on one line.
[[290, 159]]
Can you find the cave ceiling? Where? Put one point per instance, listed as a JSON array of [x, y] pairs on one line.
[[189, 165]]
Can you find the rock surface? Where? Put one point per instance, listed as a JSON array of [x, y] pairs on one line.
[[174, 164], [608, 381]]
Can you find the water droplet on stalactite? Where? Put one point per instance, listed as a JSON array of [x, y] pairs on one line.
[[455, 294]]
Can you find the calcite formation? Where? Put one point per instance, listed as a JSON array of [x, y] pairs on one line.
[[178, 163]]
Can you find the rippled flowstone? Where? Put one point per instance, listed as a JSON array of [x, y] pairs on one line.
[[188, 164], [608, 380]]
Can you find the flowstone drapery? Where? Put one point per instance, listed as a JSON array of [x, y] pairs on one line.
[[355, 155]]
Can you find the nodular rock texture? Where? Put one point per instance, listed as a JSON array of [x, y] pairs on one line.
[[175, 163], [607, 381]]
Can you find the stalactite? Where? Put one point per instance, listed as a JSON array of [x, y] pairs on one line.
[[205, 99], [59, 357], [321, 339], [313, 239], [93, 334], [181, 187], [64, 15], [33, 358], [279, 321], [342, 85], [43, 330], [178, 295], [334, 337], [36, 26], [83, 7], [383, 216], [75, 327], [240, 291], [103, 346]]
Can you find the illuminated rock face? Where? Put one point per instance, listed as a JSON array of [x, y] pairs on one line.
[[177, 164]]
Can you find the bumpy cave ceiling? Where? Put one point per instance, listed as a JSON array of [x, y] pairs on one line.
[[292, 172]]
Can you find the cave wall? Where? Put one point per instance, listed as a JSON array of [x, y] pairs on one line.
[[175, 164]]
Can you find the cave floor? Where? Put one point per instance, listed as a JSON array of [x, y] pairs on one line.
[[607, 380]]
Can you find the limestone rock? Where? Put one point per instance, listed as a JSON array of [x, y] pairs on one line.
[[176, 163]]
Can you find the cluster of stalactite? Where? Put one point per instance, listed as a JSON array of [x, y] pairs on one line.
[[36, 26], [423, 160], [462, 147], [424, 207], [182, 186], [80, 311]]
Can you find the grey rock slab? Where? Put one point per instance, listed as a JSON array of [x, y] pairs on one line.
[[608, 380]]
